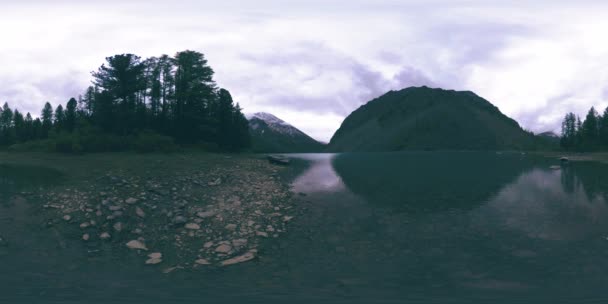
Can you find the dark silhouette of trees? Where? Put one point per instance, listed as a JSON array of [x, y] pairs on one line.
[[588, 135], [138, 102]]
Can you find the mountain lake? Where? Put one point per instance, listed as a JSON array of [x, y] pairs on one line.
[[407, 227]]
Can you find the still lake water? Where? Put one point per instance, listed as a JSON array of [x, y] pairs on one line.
[[427, 227]]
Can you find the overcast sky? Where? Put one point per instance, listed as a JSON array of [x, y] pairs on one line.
[[313, 62]]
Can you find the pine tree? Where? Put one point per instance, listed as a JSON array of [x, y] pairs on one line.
[[568, 138], [59, 118], [47, 120], [194, 90], [603, 133], [19, 126], [29, 127], [6, 121], [590, 129], [70, 115], [121, 80]]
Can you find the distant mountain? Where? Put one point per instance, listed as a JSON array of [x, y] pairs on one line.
[[549, 138], [421, 118], [269, 134]]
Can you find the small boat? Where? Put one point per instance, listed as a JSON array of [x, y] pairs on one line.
[[564, 159], [278, 160]]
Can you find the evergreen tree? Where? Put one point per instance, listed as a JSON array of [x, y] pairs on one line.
[[70, 115], [6, 122], [29, 127], [121, 79], [19, 126], [568, 138], [590, 129], [37, 129], [603, 132], [47, 120], [59, 118]]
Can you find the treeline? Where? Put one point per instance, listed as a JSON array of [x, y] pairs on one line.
[[135, 103], [588, 135]]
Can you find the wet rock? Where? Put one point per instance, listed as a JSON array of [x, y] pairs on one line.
[[192, 226], [131, 200], [206, 214], [155, 255], [230, 227], [86, 237], [85, 225], [153, 261], [248, 256], [238, 243], [208, 245], [67, 217], [135, 244], [104, 236], [202, 262], [178, 220], [261, 233], [223, 248], [287, 218], [140, 212], [114, 208], [118, 226]]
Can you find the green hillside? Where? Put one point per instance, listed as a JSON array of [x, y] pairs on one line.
[[421, 118]]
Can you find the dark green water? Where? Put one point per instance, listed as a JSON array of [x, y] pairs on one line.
[[428, 227]]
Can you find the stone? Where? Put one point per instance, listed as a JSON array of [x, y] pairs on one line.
[[208, 244], [135, 244], [179, 220], [231, 227], [140, 212], [287, 218], [205, 214], [192, 226], [155, 255], [261, 233], [118, 227], [67, 217], [153, 261], [114, 208], [84, 225], [239, 243], [269, 228], [86, 237], [104, 236], [202, 262], [223, 248], [248, 256], [250, 223], [131, 200]]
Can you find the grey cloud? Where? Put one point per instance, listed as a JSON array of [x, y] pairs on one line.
[[365, 82]]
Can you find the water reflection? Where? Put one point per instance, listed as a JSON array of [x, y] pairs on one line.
[[320, 177], [549, 205]]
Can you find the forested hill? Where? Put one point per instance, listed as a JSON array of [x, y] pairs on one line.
[[421, 118], [136, 103]]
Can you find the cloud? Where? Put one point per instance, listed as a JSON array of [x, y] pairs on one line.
[[318, 60]]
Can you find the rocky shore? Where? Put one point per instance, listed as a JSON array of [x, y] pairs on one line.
[[213, 216]]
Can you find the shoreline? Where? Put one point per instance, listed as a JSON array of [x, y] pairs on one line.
[[170, 211]]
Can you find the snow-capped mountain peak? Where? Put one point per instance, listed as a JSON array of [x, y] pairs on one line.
[[274, 123], [268, 118]]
